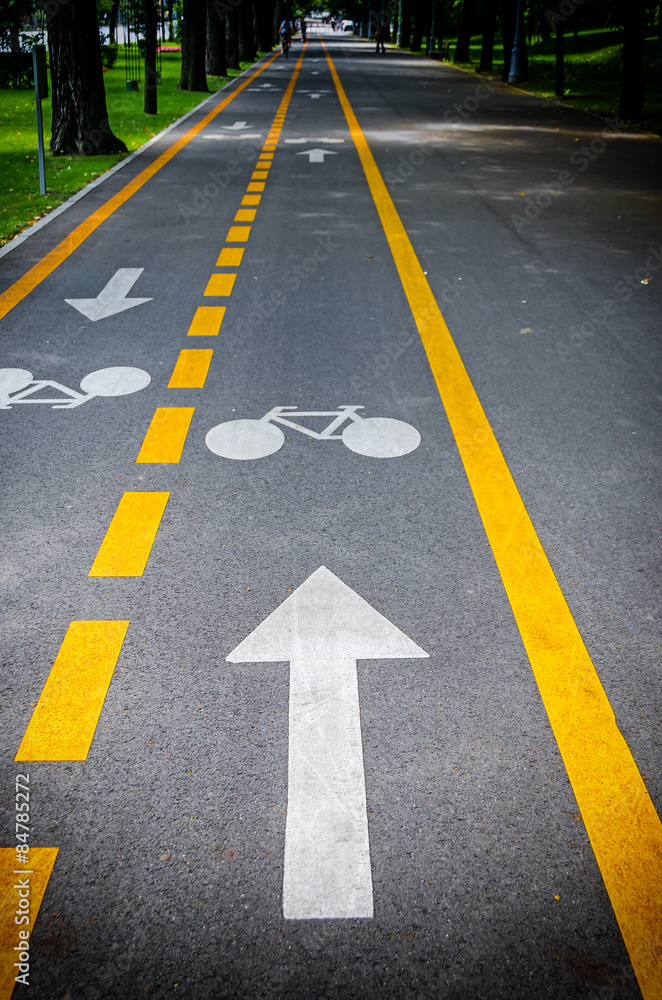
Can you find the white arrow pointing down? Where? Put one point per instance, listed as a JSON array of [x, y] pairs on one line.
[[111, 299], [323, 628]]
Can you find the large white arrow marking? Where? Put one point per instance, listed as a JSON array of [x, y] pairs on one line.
[[316, 155], [323, 628], [111, 299], [237, 127]]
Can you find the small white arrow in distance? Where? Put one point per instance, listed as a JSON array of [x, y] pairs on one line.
[[323, 628], [237, 127], [316, 155], [111, 299]]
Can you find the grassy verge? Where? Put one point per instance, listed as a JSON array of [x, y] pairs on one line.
[[592, 70], [20, 201]]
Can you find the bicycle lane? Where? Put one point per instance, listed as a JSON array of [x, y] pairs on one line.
[[50, 467], [619, 815]]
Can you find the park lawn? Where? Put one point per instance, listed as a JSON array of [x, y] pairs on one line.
[[592, 72], [21, 204]]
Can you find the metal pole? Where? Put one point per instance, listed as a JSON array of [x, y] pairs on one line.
[[398, 40], [36, 69], [517, 72], [431, 39]]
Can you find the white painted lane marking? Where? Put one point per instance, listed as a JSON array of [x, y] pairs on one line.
[[111, 299], [237, 127], [323, 628], [375, 437], [103, 382], [325, 138]]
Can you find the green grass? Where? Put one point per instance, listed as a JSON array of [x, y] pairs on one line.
[[593, 72], [21, 204]]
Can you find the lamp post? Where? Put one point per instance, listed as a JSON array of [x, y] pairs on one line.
[[431, 40], [399, 38], [518, 58]]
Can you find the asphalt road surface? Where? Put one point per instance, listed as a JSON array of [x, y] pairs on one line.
[[330, 533]]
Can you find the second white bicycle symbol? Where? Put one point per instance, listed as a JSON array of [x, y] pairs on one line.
[[375, 437]]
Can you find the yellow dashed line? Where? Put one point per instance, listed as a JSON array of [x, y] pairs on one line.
[[166, 435], [220, 284], [245, 215], [207, 321], [41, 861], [130, 536], [239, 234], [63, 723], [230, 257], [192, 366]]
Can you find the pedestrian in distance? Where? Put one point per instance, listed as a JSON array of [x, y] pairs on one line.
[[304, 28], [380, 35]]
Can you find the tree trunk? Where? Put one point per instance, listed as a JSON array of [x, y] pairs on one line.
[[464, 34], [264, 28], [405, 29], [151, 77], [246, 32], [419, 26], [632, 56], [194, 43], [559, 89], [216, 57], [232, 38], [489, 28], [112, 21], [545, 33], [508, 18], [658, 51], [80, 117]]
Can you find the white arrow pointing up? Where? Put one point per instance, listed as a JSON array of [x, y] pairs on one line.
[[316, 155], [111, 299], [323, 628], [237, 127]]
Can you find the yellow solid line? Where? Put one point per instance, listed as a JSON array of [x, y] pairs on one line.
[[18, 291], [130, 536], [230, 257], [220, 284], [41, 862], [207, 321], [620, 818], [63, 723], [191, 369], [238, 234], [166, 435]]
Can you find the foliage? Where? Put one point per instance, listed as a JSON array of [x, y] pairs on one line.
[[109, 54]]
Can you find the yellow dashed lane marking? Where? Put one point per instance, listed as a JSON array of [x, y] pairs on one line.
[[251, 199], [207, 321], [230, 257], [42, 860], [192, 366], [63, 723], [620, 818], [18, 291], [166, 434], [245, 215], [255, 186], [130, 536], [220, 284], [238, 234]]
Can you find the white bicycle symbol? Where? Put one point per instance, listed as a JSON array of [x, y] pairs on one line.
[[18, 386], [375, 437]]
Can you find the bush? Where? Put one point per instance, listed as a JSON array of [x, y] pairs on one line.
[[109, 54], [16, 71]]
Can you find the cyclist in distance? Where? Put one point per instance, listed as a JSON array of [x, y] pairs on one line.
[[304, 28], [285, 32]]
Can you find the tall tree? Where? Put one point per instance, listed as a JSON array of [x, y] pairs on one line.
[[151, 76], [232, 38], [489, 29], [194, 44], [404, 29], [80, 117], [216, 58], [246, 32], [464, 34], [420, 24], [112, 20], [632, 56], [508, 18], [264, 28]]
